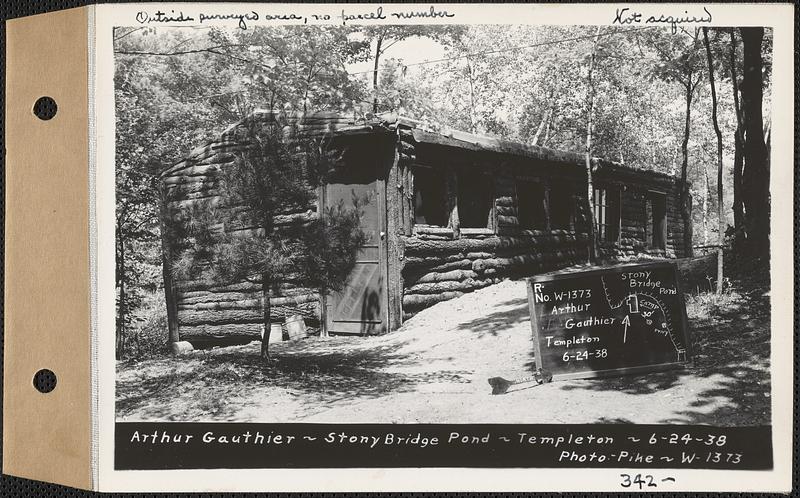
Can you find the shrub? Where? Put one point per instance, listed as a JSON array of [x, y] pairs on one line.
[[149, 335], [708, 303]]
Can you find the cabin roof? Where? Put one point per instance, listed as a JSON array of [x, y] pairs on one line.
[[342, 123], [471, 141]]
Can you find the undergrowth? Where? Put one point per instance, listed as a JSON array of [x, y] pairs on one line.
[[149, 335], [709, 302]]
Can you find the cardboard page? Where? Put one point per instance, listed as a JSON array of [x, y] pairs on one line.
[[47, 436]]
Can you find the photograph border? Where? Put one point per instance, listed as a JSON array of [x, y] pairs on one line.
[[776, 16]]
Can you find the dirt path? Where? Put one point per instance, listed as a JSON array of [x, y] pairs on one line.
[[435, 370]]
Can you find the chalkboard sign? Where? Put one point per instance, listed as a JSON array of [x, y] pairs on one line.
[[622, 319]]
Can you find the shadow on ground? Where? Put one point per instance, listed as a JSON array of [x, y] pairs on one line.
[[499, 321], [316, 372], [409, 375]]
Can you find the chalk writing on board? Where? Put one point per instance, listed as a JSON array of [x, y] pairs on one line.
[[648, 306], [616, 319]]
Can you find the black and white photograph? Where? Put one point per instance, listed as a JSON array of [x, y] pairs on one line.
[[336, 224], [406, 224]]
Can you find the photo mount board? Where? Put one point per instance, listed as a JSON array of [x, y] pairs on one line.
[[616, 309], [48, 437], [54, 437]]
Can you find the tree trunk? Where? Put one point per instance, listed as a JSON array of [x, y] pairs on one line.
[[265, 283], [472, 119], [545, 123], [375, 75], [540, 129], [589, 183], [755, 176], [739, 231], [720, 214], [705, 205], [685, 195], [166, 271], [309, 78], [547, 129], [169, 297], [121, 311]]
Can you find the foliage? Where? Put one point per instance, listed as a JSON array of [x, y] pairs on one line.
[[276, 175], [402, 95], [150, 319], [521, 83], [679, 58], [156, 121], [393, 33], [532, 95], [384, 37], [711, 301], [293, 67], [176, 88]]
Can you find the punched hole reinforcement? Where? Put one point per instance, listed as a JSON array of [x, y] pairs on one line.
[[44, 381], [45, 108]]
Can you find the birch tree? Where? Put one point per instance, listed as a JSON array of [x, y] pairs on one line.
[[680, 61], [588, 149], [721, 216]]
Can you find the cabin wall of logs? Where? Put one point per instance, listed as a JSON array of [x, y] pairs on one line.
[[480, 230], [200, 309], [442, 262]]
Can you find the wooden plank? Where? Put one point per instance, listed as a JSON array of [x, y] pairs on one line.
[[394, 226]]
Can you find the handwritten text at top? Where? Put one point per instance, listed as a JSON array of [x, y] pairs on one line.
[[343, 17], [628, 16]]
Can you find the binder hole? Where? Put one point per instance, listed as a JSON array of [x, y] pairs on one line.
[[45, 108], [44, 381]]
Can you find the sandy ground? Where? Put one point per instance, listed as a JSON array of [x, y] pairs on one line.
[[435, 370]]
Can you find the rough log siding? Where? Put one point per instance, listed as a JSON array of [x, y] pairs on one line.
[[436, 270], [251, 314], [395, 226], [444, 263], [634, 219], [426, 265], [205, 309], [197, 332]]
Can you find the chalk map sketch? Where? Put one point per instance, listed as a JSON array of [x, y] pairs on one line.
[[652, 313]]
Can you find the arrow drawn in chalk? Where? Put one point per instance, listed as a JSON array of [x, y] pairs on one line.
[[626, 321]]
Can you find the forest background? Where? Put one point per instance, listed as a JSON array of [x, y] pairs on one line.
[[639, 96]]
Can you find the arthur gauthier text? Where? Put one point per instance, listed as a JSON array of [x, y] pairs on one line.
[[163, 437]]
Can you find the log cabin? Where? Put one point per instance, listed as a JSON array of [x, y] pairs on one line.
[[449, 212]]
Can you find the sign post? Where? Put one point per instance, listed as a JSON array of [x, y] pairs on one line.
[[610, 321]]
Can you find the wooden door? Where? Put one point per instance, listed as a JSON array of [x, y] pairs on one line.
[[361, 307]]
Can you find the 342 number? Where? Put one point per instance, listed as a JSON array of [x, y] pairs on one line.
[[642, 481]]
